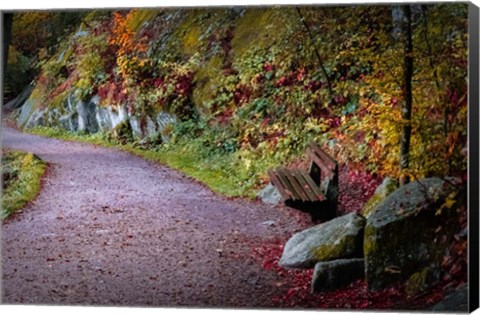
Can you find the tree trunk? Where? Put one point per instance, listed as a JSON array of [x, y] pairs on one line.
[[407, 95]]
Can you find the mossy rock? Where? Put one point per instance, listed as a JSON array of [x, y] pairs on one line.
[[335, 274], [140, 17], [383, 190], [457, 301], [339, 238], [190, 32], [418, 282], [262, 28], [208, 79], [400, 235]]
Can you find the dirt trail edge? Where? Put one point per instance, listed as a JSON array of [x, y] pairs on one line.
[[109, 228]]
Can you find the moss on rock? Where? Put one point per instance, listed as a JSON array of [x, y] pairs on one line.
[[417, 282], [386, 188], [400, 238], [339, 238], [140, 17], [207, 81], [261, 28]]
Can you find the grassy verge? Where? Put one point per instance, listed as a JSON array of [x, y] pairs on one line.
[[21, 173], [236, 174]]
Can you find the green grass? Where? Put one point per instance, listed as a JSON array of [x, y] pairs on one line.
[[22, 173], [237, 174]]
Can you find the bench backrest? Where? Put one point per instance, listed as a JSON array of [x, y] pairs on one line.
[[322, 166]]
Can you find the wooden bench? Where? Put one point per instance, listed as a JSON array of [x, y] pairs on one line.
[[315, 191]]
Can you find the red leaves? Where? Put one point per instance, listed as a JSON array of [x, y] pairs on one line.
[[313, 85], [184, 83], [268, 67], [356, 188], [242, 94], [334, 122], [157, 82], [293, 77], [296, 284], [112, 93], [283, 81]]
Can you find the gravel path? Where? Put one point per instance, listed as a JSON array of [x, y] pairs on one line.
[[109, 228]]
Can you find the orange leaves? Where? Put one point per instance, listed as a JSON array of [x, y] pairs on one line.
[[129, 48], [121, 35], [452, 142]]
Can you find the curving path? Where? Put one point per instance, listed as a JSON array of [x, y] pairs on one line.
[[110, 228]]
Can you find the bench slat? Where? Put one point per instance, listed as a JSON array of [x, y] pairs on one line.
[[299, 176], [329, 161], [296, 185], [284, 179], [277, 183], [320, 196], [326, 171]]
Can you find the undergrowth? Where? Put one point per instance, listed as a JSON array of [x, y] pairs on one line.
[[21, 174]]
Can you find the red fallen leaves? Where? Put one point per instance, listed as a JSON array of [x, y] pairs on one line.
[[297, 283], [355, 296], [356, 188]]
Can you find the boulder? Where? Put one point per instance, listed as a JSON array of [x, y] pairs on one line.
[[383, 190], [454, 302], [335, 274], [400, 235], [270, 195], [339, 238]]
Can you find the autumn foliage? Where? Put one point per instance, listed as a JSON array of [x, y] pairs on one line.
[[129, 49]]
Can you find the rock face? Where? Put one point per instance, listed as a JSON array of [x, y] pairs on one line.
[[91, 117], [270, 195], [25, 113], [332, 275], [20, 99], [339, 238], [87, 121], [400, 239]]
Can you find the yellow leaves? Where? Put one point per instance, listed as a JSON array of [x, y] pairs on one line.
[[450, 201], [27, 160], [314, 125]]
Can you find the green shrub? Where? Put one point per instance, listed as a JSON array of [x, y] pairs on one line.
[[21, 174]]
